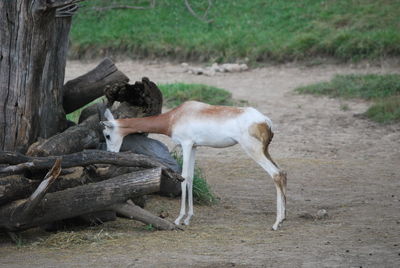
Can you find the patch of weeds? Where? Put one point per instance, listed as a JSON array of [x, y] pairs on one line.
[[202, 194], [17, 239], [149, 227], [385, 111], [383, 90]]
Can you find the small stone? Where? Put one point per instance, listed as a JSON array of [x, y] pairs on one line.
[[322, 213], [347, 250], [163, 214]]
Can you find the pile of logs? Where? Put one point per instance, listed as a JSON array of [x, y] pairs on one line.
[[71, 175]]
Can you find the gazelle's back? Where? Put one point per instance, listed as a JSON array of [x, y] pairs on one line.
[[214, 126]]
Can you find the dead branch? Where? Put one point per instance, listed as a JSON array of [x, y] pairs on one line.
[[132, 211], [40, 192]]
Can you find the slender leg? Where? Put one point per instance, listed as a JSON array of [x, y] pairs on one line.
[[190, 186], [186, 152], [254, 149]]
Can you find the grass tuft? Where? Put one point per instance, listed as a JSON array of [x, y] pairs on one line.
[[202, 193], [384, 90], [385, 111]]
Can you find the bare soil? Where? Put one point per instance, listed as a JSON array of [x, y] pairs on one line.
[[335, 161]]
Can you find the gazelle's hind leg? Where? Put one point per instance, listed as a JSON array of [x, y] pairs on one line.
[[256, 145]]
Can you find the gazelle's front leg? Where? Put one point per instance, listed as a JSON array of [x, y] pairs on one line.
[[190, 185], [186, 153]]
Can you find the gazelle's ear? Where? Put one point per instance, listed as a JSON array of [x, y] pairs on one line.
[[109, 115], [107, 124]]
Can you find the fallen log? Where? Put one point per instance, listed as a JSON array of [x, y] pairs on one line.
[[24, 209], [134, 212], [88, 157], [88, 87], [18, 187], [80, 200]]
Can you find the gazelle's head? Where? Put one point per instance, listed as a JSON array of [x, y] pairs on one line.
[[111, 132]]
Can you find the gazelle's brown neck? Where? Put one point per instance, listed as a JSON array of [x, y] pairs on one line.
[[152, 124]]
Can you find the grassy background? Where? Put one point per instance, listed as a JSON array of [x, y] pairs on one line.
[[384, 90], [259, 30]]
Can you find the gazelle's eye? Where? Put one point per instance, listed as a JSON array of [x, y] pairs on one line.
[[107, 137]]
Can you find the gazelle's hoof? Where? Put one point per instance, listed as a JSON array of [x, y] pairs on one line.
[[177, 221], [187, 220], [275, 227]]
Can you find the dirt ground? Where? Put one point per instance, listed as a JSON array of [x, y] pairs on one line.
[[335, 161]]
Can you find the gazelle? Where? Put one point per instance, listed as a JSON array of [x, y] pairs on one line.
[[195, 124]]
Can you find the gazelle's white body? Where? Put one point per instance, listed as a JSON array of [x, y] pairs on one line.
[[195, 124]]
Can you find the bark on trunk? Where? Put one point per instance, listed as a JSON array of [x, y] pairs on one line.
[[33, 45]]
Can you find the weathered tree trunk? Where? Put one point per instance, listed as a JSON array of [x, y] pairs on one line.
[[81, 200], [33, 46]]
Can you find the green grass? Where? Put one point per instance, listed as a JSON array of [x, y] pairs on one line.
[[384, 90], [74, 116], [202, 193], [260, 30], [175, 94]]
